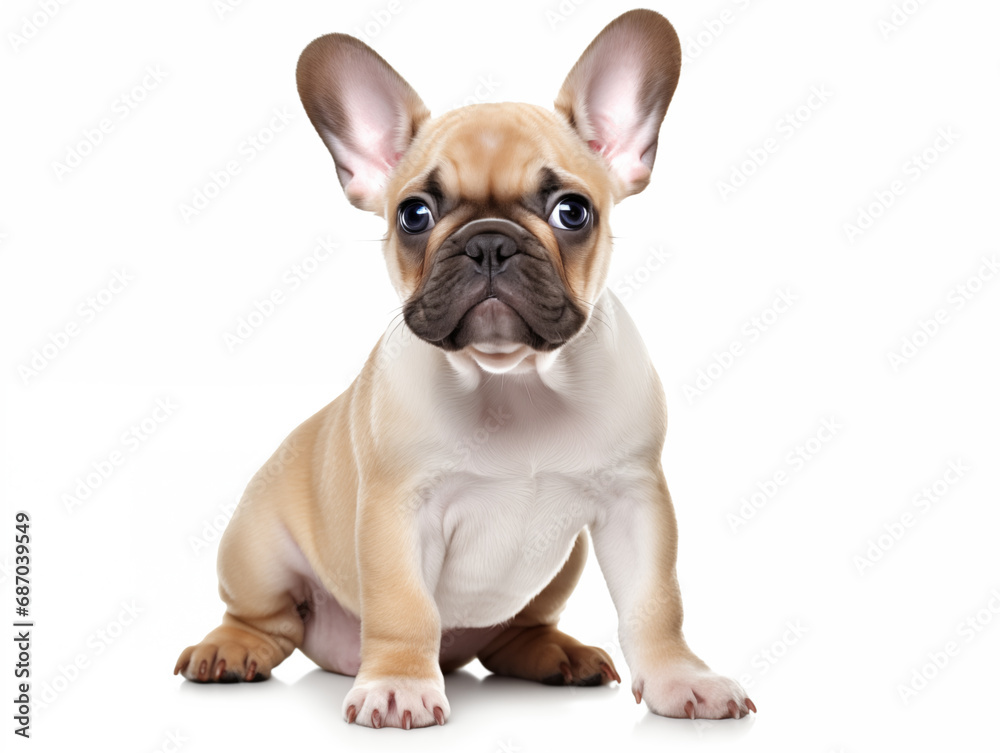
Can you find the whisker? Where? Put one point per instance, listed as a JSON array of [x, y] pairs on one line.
[[400, 324], [394, 324], [528, 393], [595, 314]]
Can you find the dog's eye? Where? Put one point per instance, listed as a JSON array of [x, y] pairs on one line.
[[571, 213], [415, 217]]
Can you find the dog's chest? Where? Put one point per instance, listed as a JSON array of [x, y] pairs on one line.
[[507, 499], [494, 542]]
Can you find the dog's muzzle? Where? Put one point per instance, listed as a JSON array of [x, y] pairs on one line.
[[492, 283]]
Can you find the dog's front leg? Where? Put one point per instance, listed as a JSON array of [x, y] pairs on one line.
[[399, 683], [635, 539]]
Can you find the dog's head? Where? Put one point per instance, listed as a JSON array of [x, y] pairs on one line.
[[498, 240]]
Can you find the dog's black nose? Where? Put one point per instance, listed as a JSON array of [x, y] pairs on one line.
[[490, 250]]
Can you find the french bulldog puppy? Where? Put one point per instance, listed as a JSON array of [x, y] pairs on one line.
[[438, 510]]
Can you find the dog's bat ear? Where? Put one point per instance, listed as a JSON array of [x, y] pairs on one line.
[[364, 111], [617, 94]]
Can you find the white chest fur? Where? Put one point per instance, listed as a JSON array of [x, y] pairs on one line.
[[490, 543], [521, 463]]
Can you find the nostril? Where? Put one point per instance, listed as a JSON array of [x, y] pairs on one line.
[[506, 248], [474, 250], [496, 247]]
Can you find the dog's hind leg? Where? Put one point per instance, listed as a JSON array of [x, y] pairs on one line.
[[264, 592], [262, 624], [533, 648]]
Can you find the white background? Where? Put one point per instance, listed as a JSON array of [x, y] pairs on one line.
[[147, 534]]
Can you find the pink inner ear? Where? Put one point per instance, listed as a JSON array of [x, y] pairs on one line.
[[375, 134], [364, 112], [612, 108], [613, 101], [374, 107]]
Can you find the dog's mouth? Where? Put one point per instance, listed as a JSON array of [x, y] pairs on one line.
[[494, 328], [492, 325], [492, 289], [495, 325]]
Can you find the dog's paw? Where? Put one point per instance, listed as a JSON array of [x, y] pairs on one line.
[[687, 690], [547, 655], [227, 654], [397, 702], [576, 664]]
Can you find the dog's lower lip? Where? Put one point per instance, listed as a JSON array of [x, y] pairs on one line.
[[500, 359], [494, 349], [492, 300]]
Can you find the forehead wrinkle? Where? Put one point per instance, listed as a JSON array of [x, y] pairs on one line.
[[418, 183], [568, 181], [526, 136], [497, 154], [491, 160]]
